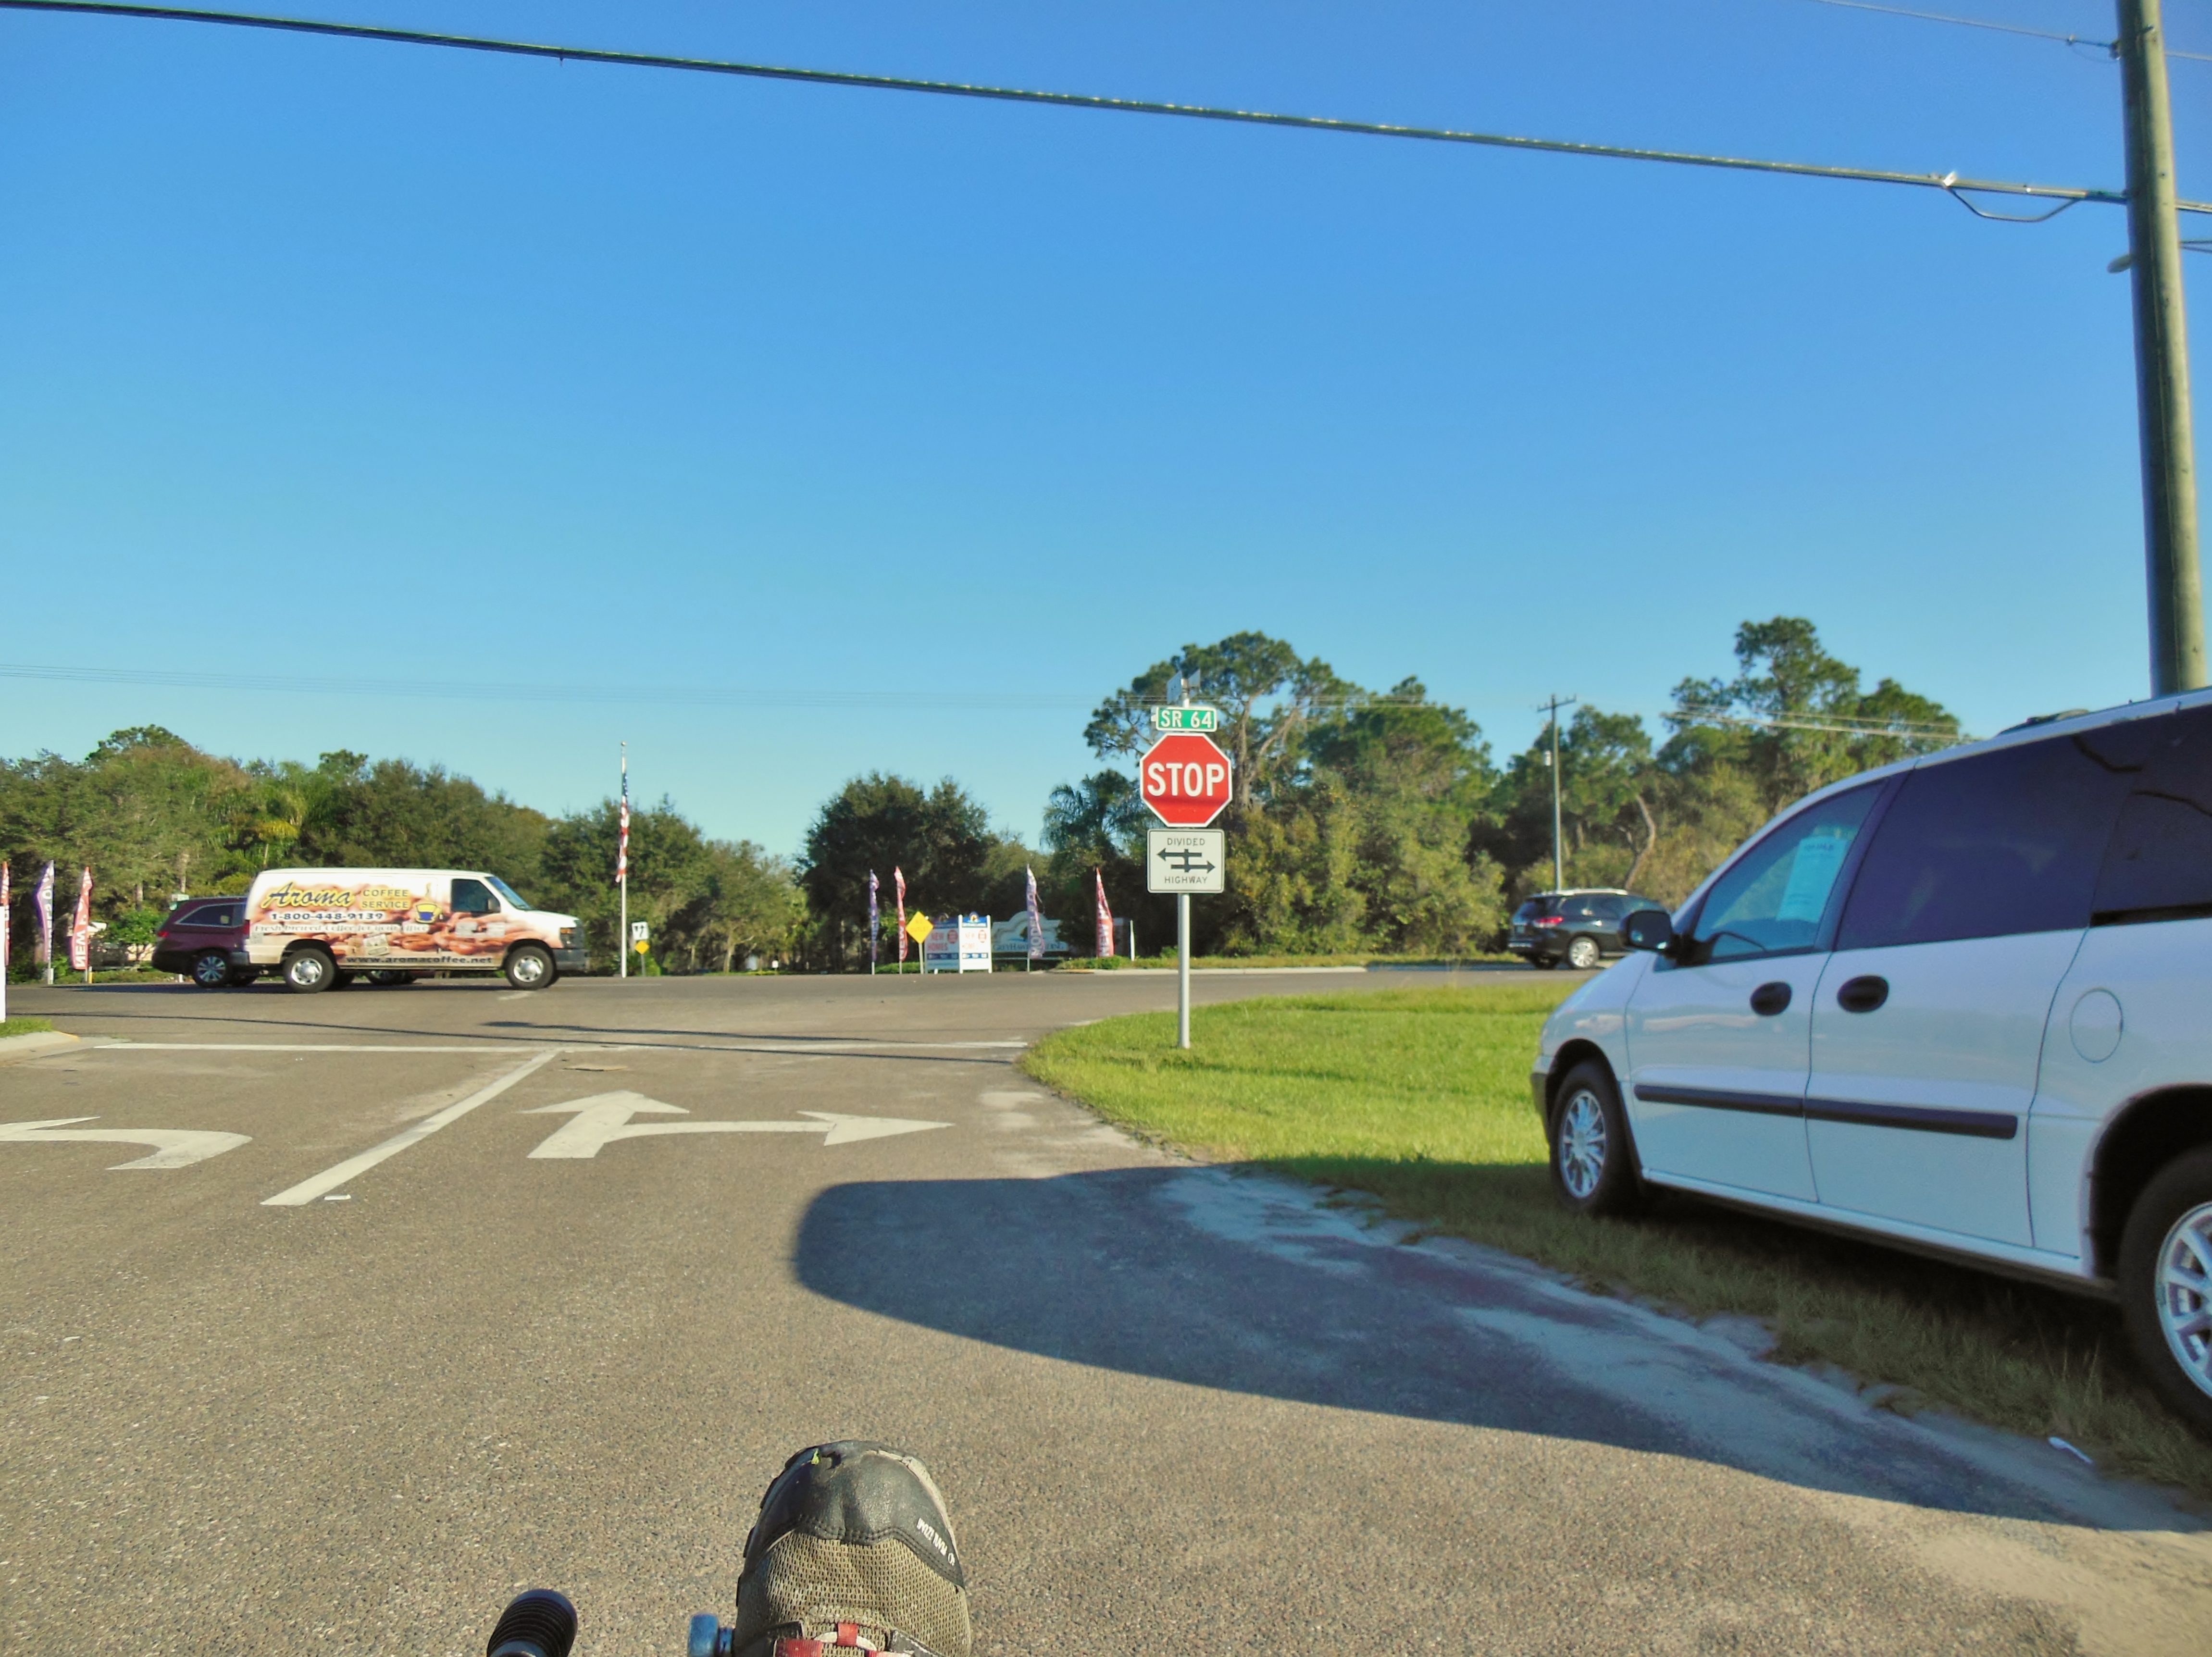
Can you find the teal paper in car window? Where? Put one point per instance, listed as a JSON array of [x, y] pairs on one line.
[[1813, 873]]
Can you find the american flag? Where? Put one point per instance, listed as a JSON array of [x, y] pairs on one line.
[[898, 882], [1105, 918], [622, 851]]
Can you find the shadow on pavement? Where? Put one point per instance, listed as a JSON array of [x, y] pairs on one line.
[[1203, 1278]]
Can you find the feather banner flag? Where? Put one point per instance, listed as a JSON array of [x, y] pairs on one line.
[[875, 920], [81, 927], [621, 846], [1105, 918], [1037, 917], [43, 899], [898, 886]]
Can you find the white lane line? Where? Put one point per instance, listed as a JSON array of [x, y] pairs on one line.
[[331, 1178], [490, 1044]]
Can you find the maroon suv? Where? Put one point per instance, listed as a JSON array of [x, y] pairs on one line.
[[205, 938]]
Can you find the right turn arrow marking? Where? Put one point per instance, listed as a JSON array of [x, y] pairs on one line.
[[605, 1117]]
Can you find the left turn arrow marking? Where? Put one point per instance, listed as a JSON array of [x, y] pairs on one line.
[[173, 1147]]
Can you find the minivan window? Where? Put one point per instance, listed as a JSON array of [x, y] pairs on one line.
[[1534, 907], [472, 897], [2001, 842], [1773, 898], [2159, 865], [210, 915]]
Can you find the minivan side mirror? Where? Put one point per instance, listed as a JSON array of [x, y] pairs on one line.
[[1650, 929]]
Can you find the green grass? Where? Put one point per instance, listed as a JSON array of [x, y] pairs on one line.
[[25, 1027], [1419, 1097]]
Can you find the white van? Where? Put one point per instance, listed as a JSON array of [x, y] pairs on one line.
[[1961, 1004], [319, 928]]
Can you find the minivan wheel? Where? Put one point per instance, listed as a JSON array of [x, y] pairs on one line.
[[309, 972], [2165, 1284], [211, 970], [529, 966], [1583, 954], [1592, 1159]]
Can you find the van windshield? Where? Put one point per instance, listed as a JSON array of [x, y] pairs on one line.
[[508, 892]]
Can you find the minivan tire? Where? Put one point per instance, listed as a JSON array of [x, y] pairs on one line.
[[309, 971], [1593, 1158], [529, 966], [211, 970], [2171, 1222], [1583, 954]]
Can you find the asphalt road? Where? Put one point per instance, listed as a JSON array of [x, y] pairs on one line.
[[1169, 1406]]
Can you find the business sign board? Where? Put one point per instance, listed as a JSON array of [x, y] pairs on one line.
[[1184, 778], [1186, 859], [958, 946]]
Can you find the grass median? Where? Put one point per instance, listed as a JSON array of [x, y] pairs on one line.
[[1419, 1098]]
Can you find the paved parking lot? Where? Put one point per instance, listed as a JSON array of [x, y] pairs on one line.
[[401, 1299]]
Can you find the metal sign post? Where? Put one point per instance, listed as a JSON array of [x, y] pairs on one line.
[[1185, 780]]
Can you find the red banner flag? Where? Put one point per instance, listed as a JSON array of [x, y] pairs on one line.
[[898, 881], [81, 927], [1105, 919]]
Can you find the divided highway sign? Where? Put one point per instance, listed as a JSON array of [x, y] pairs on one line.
[[1185, 859]]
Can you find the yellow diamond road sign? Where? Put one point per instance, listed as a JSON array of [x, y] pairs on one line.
[[919, 927]]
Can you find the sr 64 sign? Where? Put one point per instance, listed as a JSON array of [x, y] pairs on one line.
[[1184, 777]]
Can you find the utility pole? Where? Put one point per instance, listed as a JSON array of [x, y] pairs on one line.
[[1558, 860], [2169, 459]]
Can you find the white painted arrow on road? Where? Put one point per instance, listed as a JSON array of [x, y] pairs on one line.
[[173, 1147], [605, 1117]]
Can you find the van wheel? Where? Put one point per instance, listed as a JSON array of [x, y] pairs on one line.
[[1592, 1159], [1583, 954], [2166, 1285], [529, 966], [210, 969], [309, 972]]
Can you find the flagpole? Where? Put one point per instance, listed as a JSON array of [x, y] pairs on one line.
[[622, 870]]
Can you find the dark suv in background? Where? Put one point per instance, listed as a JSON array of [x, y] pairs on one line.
[[1579, 928], [205, 938]]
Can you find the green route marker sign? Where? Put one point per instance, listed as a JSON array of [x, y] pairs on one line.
[[1186, 719]]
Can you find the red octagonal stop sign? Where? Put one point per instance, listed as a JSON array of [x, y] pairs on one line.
[[1185, 779]]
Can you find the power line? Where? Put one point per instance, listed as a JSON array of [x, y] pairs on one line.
[[1975, 23], [2110, 48], [1951, 183]]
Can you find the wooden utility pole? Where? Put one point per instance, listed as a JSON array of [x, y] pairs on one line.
[[2169, 457], [1558, 858]]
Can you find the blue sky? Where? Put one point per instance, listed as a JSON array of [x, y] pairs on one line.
[[380, 363]]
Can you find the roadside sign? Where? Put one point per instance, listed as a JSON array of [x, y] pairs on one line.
[[641, 946], [1165, 719], [919, 927], [639, 931], [1186, 859], [1184, 777]]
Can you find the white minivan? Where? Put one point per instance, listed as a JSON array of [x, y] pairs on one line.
[[1963, 1003]]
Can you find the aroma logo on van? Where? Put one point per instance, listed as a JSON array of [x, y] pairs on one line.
[[383, 899]]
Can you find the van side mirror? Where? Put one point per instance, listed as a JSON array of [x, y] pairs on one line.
[[1650, 929]]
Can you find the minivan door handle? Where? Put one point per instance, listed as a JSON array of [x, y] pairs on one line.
[[1863, 993], [1769, 999]]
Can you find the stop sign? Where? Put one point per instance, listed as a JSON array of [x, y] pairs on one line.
[[1185, 779]]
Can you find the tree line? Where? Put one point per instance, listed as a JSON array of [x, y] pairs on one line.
[[1361, 821]]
